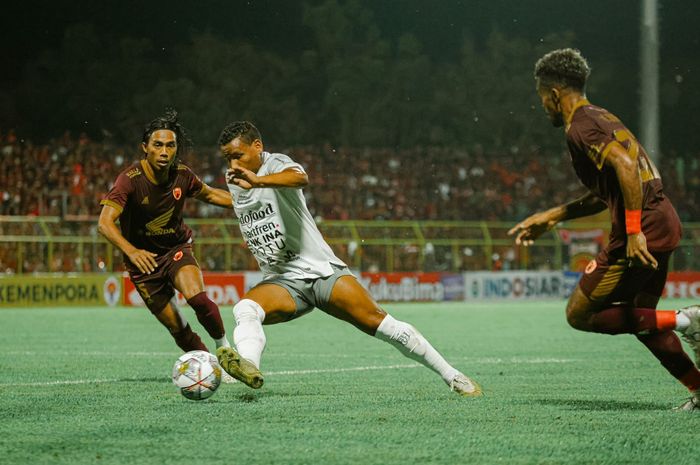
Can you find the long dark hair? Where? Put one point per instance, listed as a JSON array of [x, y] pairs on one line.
[[170, 122]]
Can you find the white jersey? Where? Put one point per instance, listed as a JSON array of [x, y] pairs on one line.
[[278, 228]]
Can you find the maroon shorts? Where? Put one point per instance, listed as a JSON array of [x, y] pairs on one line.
[[156, 289], [608, 278]]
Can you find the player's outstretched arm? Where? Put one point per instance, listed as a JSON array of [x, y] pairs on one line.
[[106, 225], [245, 178], [215, 196], [532, 227], [626, 168]]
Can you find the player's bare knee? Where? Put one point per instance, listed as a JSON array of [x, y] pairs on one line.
[[370, 320], [578, 310], [579, 316], [575, 321]]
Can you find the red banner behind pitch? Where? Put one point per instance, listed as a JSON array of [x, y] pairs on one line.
[[683, 285], [222, 288]]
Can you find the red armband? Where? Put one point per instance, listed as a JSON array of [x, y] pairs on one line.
[[633, 221]]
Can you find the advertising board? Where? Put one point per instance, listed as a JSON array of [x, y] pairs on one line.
[[48, 290]]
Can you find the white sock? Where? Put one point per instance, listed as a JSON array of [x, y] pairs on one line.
[[413, 345], [682, 321], [248, 335], [223, 342]]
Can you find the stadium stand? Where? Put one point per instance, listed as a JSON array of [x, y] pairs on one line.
[[67, 177]]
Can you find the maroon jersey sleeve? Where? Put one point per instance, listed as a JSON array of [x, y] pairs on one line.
[[592, 136], [194, 184], [119, 193]]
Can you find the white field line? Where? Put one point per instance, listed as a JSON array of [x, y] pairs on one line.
[[269, 373], [292, 372], [99, 353], [340, 370], [102, 353], [94, 353]]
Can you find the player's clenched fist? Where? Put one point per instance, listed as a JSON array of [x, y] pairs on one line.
[[240, 176]]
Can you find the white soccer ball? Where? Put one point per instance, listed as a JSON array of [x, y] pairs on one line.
[[197, 374]]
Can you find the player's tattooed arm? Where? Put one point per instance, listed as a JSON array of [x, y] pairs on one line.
[[143, 259], [587, 205], [627, 170], [532, 227], [215, 196], [535, 225]]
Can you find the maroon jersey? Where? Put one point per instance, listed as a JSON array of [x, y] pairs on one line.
[[589, 135], [151, 214]]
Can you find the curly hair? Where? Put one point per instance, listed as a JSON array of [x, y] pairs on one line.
[[243, 129], [169, 122], [565, 67]]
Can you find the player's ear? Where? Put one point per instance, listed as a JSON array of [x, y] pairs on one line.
[[144, 148], [556, 96]]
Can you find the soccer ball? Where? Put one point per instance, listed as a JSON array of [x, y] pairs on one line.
[[197, 374]]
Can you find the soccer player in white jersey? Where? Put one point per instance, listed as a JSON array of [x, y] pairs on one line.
[[300, 270]]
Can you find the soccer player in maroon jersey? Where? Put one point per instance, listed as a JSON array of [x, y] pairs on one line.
[[619, 290], [148, 198]]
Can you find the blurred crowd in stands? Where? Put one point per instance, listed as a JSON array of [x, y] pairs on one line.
[[67, 178]]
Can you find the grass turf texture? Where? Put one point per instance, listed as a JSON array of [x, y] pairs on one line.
[[93, 385]]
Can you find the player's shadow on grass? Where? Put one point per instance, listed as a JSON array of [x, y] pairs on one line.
[[249, 397], [602, 405], [246, 398]]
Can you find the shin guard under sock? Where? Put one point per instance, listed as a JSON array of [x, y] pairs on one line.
[[208, 315], [188, 340], [667, 348]]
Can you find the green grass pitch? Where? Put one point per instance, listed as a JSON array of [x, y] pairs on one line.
[[92, 385]]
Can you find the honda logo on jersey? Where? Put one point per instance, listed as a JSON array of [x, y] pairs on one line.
[[156, 227], [177, 193]]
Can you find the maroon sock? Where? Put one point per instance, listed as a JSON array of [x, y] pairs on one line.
[[188, 340], [667, 348], [629, 320], [208, 315]]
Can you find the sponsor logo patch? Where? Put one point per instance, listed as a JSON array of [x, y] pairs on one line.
[[247, 219], [590, 268], [156, 227], [178, 255], [133, 173]]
